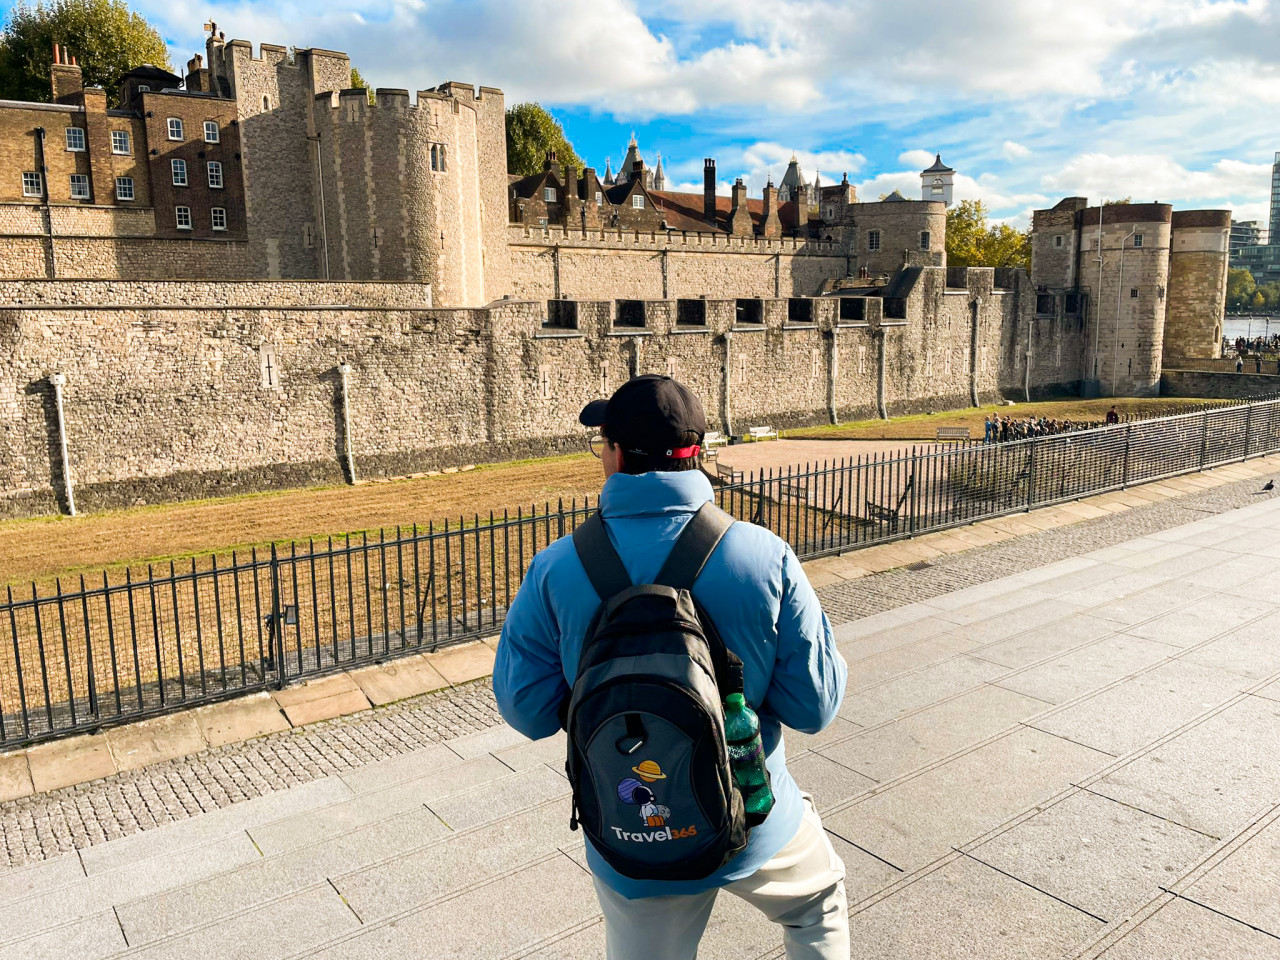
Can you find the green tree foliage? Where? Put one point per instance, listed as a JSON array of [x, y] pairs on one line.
[[1118, 202], [1240, 288], [531, 132], [359, 83], [972, 242], [105, 36]]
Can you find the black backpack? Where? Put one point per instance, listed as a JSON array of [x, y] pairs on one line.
[[647, 758]]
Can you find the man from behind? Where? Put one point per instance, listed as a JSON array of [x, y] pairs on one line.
[[751, 588]]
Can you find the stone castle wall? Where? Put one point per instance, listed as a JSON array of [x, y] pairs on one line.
[[1227, 386], [180, 390]]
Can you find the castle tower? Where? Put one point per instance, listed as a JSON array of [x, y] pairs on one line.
[[793, 186], [659, 178], [936, 181], [1197, 283]]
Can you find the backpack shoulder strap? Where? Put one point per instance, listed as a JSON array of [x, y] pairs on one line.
[[604, 567], [693, 548]]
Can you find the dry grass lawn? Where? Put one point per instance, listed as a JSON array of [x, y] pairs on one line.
[[923, 426]]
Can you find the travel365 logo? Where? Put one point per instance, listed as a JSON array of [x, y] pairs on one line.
[[639, 792]]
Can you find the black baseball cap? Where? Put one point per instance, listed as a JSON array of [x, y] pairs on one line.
[[650, 415]]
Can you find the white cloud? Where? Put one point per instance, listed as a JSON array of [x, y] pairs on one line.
[[919, 159], [1011, 150], [1146, 177]]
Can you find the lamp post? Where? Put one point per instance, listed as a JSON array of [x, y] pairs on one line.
[[59, 380], [344, 370]]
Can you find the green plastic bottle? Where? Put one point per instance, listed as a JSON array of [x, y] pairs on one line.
[[746, 755]]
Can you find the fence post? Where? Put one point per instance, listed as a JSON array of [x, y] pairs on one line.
[[275, 633], [915, 490], [1204, 437], [1031, 473], [1124, 476], [1248, 429]]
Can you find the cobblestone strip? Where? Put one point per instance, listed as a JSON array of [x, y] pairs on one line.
[[36, 828]]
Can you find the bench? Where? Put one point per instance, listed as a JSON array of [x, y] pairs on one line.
[[730, 474], [953, 433], [762, 433], [795, 490], [710, 442], [889, 515]]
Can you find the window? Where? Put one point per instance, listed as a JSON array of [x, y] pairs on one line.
[[599, 199], [637, 201], [937, 187], [211, 132], [143, 88], [215, 175], [179, 168], [549, 194], [124, 188], [437, 157], [75, 139], [924, 239], [31, 185], [182, 216], [218, 216], [79, 186], [873, 240], [1137, 240], [120, 142], [1045, 304], [175, 128], [266, 103], [1133, 293], [1057, 241]]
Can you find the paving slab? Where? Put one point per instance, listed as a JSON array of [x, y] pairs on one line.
[[153, 917], [1043, 642], [486, 741], [501, 798], [1208, 617], [917, 820], [869, 671], [450, 926], [212, 826], [244, 718], [965, 909], [891, 638], [405, 766], [1101, 856], [1011, 602], [1086, 668], [1246, 883], [151, 741], [65, 763], [1043, 614], [797, 743], [15, 776], [463, 663], [1251, 651], [405, 881], [303, 829], [921, 688], [1153, 602], [320, 688], [914, 741], [1184, 931], [551, 751], [327, 708], [826, 781], [883, 621], [398, 680], [279, 928], [1143, 708], [1212, 777], [585, 942], [97, 935]]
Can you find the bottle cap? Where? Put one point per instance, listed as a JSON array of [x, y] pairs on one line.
[[736, 700]]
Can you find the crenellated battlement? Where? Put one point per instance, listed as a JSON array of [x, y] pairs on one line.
[[557, 235]]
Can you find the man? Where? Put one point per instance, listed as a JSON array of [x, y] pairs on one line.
[[756, 594], [1113, 416]]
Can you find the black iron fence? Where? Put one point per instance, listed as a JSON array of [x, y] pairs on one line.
[[84, 655]]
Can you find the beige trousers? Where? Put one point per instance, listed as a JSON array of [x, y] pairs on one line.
[[802, 889]]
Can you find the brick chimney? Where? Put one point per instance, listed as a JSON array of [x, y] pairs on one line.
[[68, 81], [770, 224], [709, 191], [740, 218], [591, 211], [552, 164], [197, 75]]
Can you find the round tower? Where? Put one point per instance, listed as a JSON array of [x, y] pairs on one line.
[[1197, 284]]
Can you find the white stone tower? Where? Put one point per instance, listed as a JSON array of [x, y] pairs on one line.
[[936, 181]]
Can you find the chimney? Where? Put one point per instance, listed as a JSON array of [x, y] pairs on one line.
[[67, 79], [709, 191], [197, 75], [770, 224], [740, 217]]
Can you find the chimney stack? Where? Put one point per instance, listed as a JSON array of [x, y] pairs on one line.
[[740, 217], [770, 224], [66, 77], [709, 191]]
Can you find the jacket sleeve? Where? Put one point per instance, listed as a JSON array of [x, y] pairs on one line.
[[809, 674], [528, 680]]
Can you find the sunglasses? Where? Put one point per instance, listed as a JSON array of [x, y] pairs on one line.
[[596, 445]]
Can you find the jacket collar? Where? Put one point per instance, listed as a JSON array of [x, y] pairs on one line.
[[654, 494]]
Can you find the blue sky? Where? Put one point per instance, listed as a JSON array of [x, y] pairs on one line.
[[1029, 100]]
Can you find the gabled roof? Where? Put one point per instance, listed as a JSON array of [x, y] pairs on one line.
[[684, 211], [938, 166], [149, 71], [894, 197], [531, 186]]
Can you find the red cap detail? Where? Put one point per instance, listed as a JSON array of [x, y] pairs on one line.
[[680, 453]]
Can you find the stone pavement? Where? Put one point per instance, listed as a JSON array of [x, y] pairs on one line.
[[1077, 759]]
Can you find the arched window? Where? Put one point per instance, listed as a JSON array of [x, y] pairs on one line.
[[937, 186], [266, 103]]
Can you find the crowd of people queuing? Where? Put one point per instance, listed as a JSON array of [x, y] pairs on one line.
[[998, 429], [1260, 344]]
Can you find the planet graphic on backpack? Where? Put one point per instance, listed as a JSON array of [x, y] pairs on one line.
[[636, 793]]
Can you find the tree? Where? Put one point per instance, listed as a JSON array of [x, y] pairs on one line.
[[971, 242], [105, 36], [1240, 288], [531, 132], [1117, 203], [359, 83]]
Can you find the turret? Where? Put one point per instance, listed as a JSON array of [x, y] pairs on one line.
[[936, 181]]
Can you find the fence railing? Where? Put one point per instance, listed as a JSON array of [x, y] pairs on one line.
[[80, 656]]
